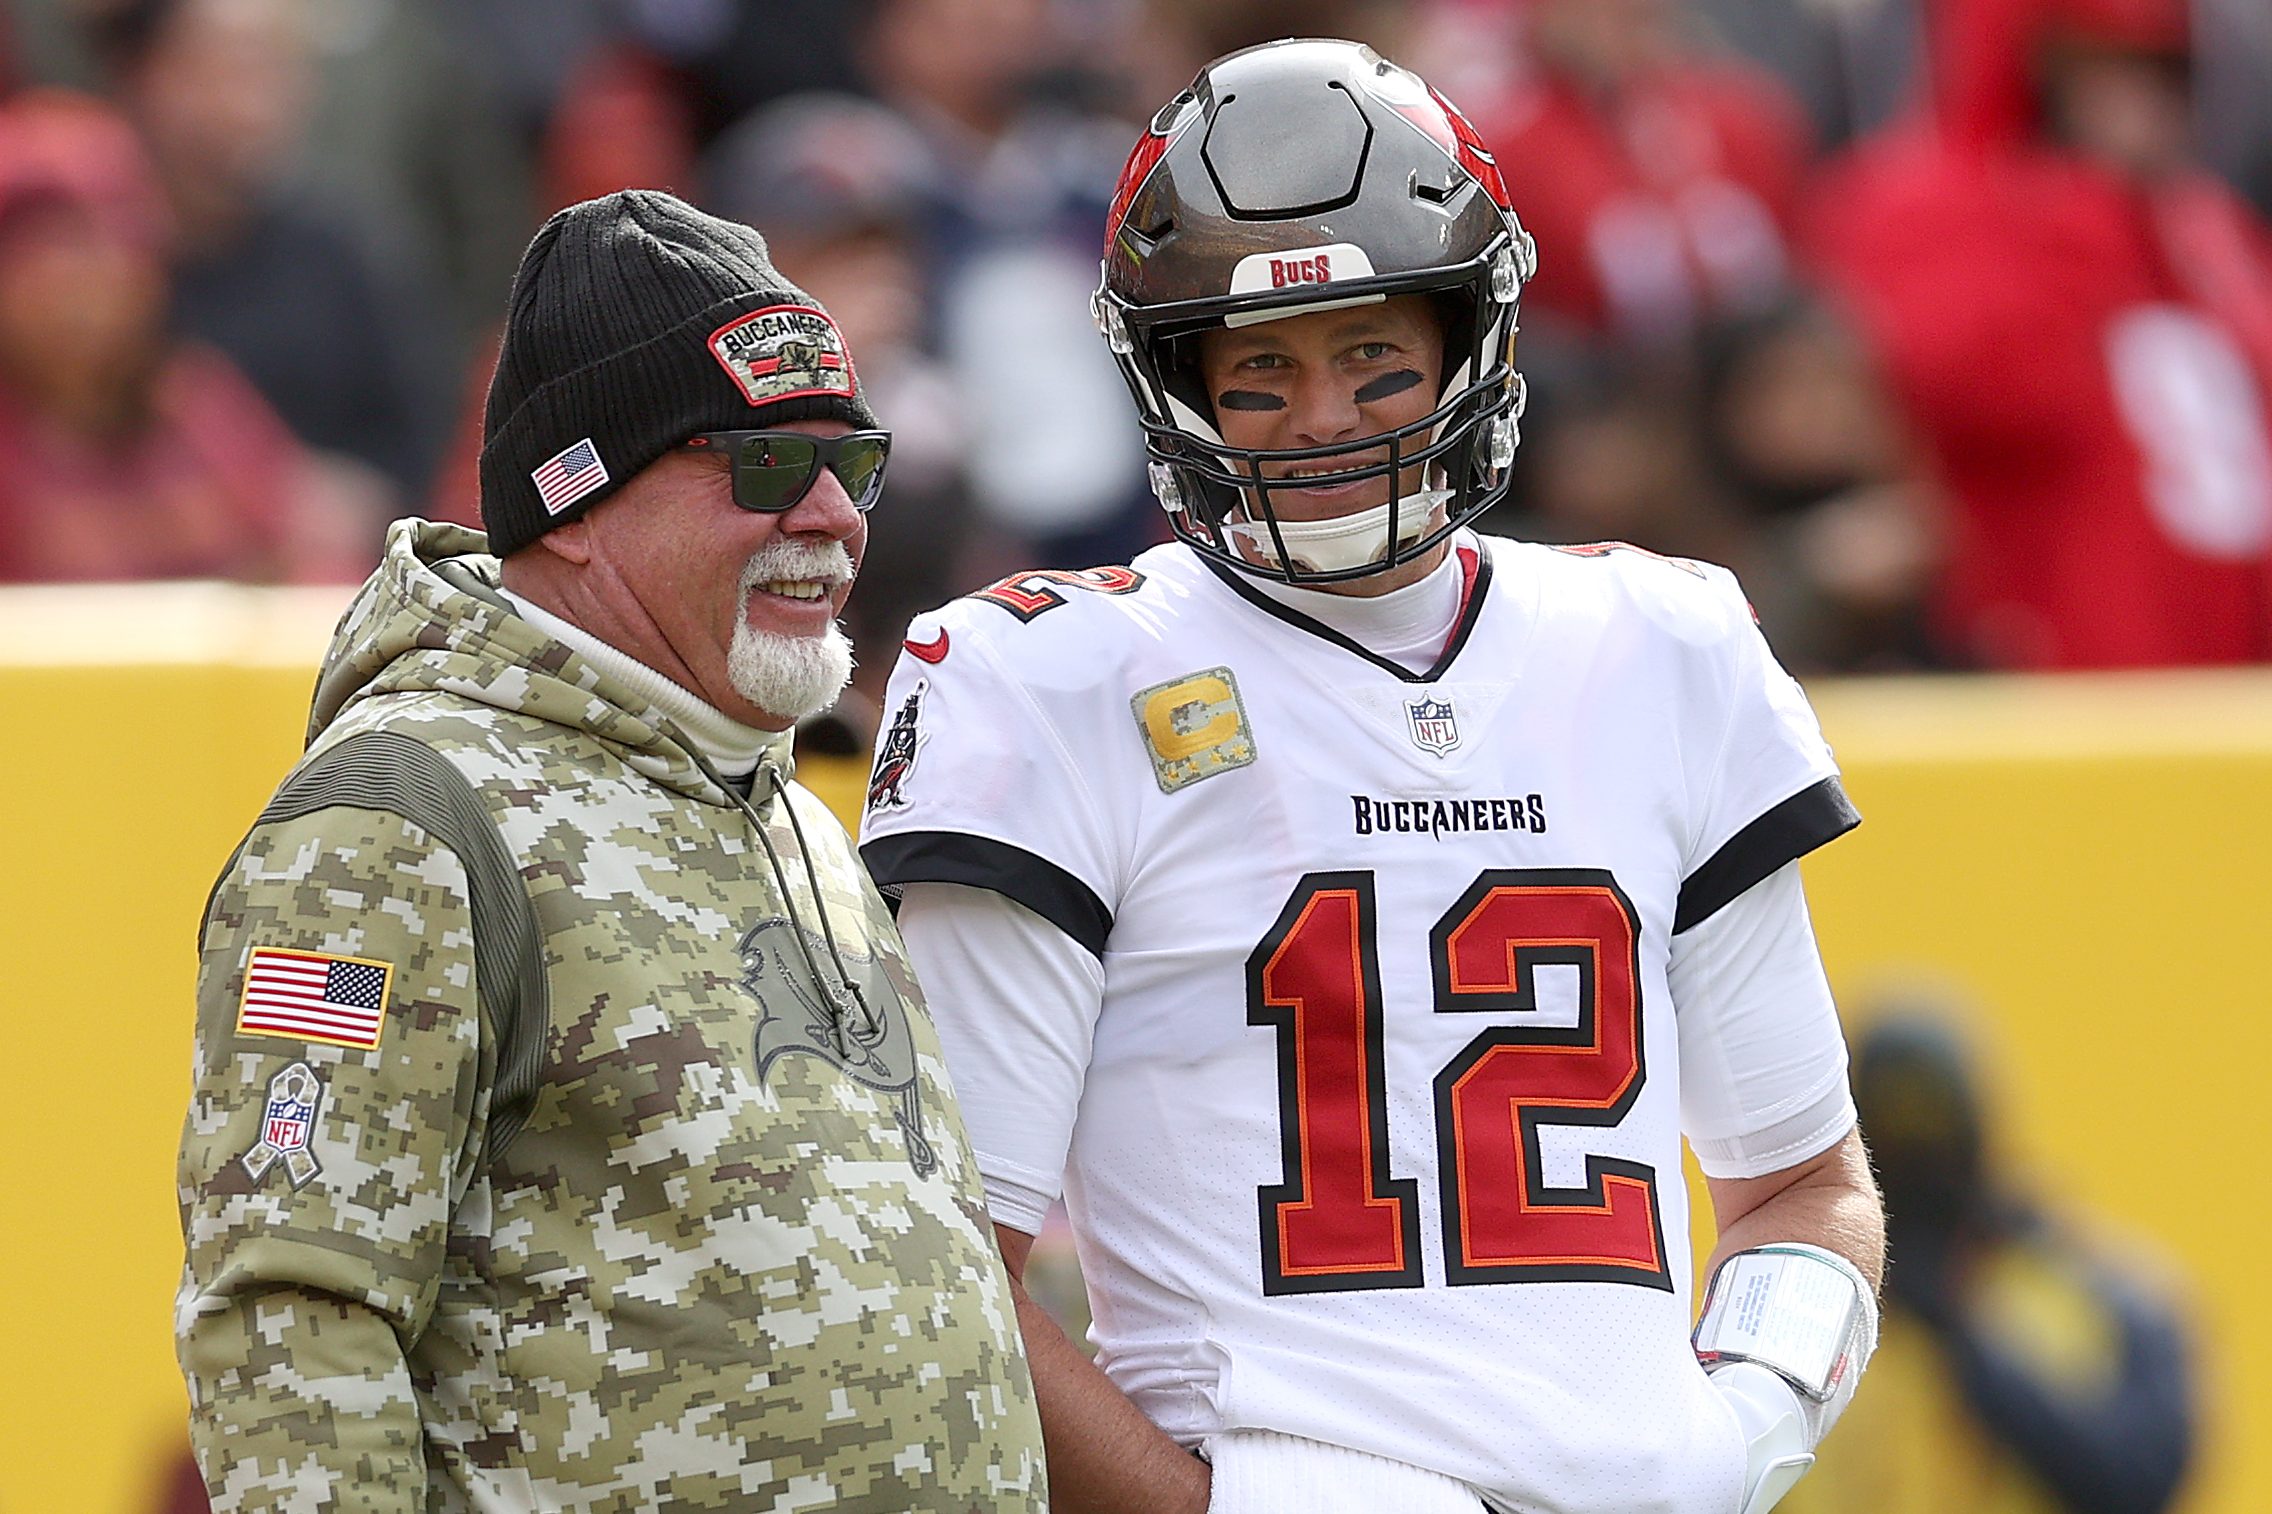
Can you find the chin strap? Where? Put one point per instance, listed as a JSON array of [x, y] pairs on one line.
[[1342, 542], [1785, 1333]]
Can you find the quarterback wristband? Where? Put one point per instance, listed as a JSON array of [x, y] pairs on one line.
[[1801, 1312]]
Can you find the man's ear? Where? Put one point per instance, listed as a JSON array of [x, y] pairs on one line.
[[571, 541]]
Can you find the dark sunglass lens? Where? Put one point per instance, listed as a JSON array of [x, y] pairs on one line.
[[772, 471], [860, 468]]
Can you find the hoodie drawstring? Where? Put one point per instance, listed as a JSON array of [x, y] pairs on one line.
[[843, 991], [868, 1027], [838, 989]]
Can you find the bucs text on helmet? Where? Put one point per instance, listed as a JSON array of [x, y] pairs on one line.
[[1309, 175]]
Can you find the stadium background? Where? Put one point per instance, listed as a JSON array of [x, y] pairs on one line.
[[2077, 858]]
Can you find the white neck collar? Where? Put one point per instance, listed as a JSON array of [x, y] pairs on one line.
[[732, 748], [1408, 626]]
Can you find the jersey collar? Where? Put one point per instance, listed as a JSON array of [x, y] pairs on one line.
[[1475, 581]]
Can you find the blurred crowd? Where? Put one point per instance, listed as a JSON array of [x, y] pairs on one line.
[[1946, 323]]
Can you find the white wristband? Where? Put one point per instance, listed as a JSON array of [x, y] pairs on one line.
[[1785, 1333], [1803, 1312]]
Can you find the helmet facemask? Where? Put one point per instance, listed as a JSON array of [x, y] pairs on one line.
[[1220, 498]]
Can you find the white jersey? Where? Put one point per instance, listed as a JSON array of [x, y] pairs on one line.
[[1373, 1134]]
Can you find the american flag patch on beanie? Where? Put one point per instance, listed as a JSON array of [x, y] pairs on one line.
[[569, 476]]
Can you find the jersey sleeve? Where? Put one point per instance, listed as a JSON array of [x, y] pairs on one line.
[[1765, 790], [1763, 1081], [978, 779], [336, 1111], [1016, 1002]]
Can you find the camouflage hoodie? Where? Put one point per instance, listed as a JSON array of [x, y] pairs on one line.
[[567, 1131]]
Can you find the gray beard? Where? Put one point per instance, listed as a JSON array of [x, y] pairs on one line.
[[790, 677]]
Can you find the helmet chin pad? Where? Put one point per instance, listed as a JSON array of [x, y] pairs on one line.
[[1340, 543]]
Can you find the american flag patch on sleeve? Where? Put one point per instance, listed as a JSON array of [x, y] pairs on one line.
[[570, 476], [306, 996]]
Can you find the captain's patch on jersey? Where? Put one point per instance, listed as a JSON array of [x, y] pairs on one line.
[[1194, 727], [782, 352], [895, 759], [288, 1127], [308, 996]]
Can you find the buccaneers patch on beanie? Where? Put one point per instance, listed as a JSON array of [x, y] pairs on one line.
[[636, 321]]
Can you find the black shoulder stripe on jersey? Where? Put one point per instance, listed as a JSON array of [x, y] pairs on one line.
[[954, 857], [1237, 583], [1789, 831]]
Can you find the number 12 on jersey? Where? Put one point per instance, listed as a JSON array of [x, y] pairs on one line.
[[1341, 1219]]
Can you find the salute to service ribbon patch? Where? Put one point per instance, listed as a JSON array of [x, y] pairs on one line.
[[287, 1127], [307, 996]]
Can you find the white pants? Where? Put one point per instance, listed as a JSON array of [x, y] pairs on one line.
[[1262, 1472]]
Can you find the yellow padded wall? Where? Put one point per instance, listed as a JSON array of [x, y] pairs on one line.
[[2083, 859]]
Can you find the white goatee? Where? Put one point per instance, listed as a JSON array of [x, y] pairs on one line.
[[791, 676]]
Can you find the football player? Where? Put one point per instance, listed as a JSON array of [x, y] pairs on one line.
[[1348, 913]]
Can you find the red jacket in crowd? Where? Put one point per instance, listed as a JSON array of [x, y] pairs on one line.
[[2087, 355], [1660, 186]]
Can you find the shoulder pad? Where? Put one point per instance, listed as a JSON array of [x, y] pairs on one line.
[[1049, 624], [1697, 602]]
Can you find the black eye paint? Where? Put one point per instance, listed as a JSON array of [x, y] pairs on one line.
[[1254, 399], [1386, 385]]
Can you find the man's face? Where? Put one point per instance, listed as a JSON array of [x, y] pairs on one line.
[[79, 305], [2130, 110], [1324, 379], [1317, 380], [224, 94], [745, 603]]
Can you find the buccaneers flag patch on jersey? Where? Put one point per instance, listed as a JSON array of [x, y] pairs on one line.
[[895, 758]]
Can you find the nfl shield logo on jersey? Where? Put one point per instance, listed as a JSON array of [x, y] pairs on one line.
[[1435, 727]]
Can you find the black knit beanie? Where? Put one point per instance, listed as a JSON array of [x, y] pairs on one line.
[[636, 321]]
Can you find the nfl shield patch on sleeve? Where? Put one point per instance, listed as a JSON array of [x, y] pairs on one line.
[[308, 996], [288, 1127]]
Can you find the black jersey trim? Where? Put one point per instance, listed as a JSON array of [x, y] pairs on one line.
[[957, 857], [1236, 582], [1809, 818]]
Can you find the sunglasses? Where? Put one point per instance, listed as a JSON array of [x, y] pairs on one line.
[[773, 469]]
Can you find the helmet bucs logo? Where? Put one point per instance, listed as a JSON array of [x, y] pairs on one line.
[[1317, 270], [1298, 266]]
